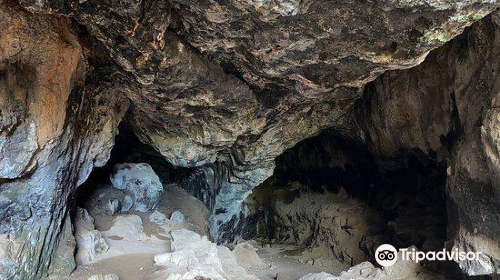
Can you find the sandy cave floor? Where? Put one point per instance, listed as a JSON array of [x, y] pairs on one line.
[[134, 261]]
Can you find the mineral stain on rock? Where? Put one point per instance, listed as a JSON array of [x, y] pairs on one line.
[[216, 95]]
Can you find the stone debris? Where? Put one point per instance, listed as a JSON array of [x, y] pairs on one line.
[[158, 218], [177, 220], [128, 227], [90, 242], [104, 277], [141, 182], [402, 270], [195, 257], [246, 255]]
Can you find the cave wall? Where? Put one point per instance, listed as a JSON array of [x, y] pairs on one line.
[[221, 86], [447, 108], [53, 131]]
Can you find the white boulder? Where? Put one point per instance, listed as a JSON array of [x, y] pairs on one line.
[[141, 182]]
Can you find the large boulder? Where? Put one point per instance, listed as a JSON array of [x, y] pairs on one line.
[[141, 182]]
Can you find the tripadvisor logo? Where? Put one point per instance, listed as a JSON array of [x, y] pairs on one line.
[[387, 255]]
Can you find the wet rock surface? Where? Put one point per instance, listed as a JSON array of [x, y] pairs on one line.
[[224, 87]]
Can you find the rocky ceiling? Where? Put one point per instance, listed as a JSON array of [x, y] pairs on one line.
[[226, 87]]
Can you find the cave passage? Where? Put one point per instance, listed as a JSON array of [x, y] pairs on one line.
[[329, 204], [332, 196]]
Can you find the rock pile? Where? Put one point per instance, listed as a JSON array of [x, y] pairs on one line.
[[402, 269], [195, 257]]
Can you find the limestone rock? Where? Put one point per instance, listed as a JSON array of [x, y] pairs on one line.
[[227, 86], [104, 277], [127, 227], [366, 271], [230, 85], [53, 132], [465, 137], [141, 182], [195, 257], [177, 220], [90, 242], [247, 256], [158, 218]]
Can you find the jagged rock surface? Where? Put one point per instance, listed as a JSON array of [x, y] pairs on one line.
[[401, 113], [233, 85], [90, 241], [53, 132], [227, 86], [195, 257], [141, 182], [404, 270]]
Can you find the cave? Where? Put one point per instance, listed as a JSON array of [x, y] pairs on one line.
[[327, 207], [249, 140], [337, 201]]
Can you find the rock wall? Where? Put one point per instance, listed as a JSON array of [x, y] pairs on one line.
[[56, 125], [212, 83], [447, 107]]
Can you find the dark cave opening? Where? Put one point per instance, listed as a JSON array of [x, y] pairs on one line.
[[331, 195], [117, 223], [129, 149]]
